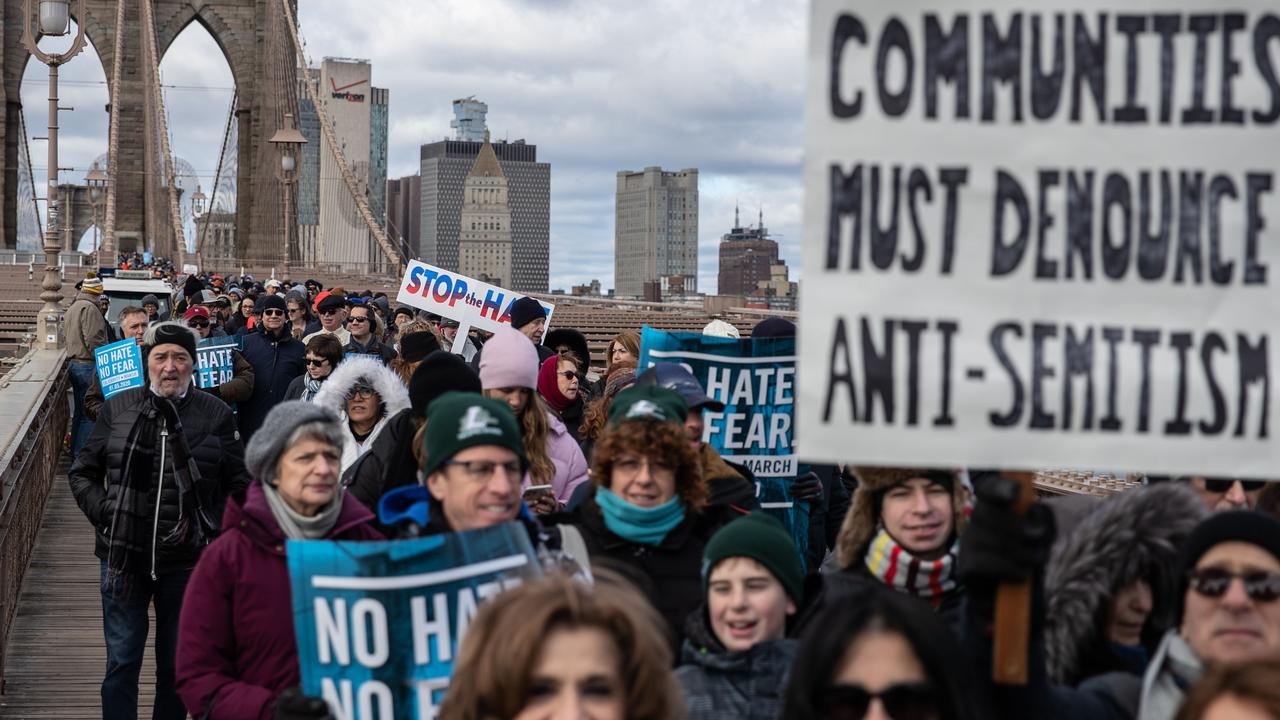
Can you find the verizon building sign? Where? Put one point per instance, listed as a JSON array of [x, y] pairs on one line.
[[1042, 235]]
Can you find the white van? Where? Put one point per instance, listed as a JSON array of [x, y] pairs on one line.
[[125, 291]]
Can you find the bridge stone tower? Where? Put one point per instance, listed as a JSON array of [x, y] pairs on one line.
[[256, 46]]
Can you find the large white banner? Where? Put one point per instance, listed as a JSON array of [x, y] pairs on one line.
[[469, 301], [1042, 235]]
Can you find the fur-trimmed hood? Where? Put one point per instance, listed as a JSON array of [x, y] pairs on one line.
[[333, 394], [1131, 536], [862, 520]]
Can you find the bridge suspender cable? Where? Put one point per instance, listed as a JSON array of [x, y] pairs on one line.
[[108, 249], [162, 126], [203, 229]]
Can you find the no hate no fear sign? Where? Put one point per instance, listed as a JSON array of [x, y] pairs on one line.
[[1042, 235]]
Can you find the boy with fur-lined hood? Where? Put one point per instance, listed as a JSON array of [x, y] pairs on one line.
[[903, 530], [365, 393]]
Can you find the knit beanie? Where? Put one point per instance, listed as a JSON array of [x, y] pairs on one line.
[[762, 538], [774, 327], [647, 401], [149, 299], [549, 384], [267, 444], [172, 332], [1246, 526], [524, 311], [417, 345], [457, 421], [572, 339], [273, 302], [93, 286], [439, 373], [509, 359]]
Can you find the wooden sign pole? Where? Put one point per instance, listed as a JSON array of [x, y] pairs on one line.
[[1013, 608]]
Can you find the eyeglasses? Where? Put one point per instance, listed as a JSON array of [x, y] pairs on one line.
[[316, 362], [272, 313], [568, 375], [294, 310], [484, 469], [362, 391], [902, 701], [357, 319], [199, 324], [1222, 485], [328, 312], [1213, 582], [629, 467]]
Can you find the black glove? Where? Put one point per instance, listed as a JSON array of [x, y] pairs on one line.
[[998, 545], [807, 487], [293, 705]]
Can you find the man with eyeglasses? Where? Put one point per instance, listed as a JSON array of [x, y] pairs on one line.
[[276, 357], [240, 387], [364, 327], [332, 310], [1219, 494]]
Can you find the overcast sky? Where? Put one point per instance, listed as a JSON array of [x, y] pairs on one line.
[[599, 86]]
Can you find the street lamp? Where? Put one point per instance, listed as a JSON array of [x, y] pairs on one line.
[[54, 19], [197, 209], [96, 180], [288, 140]]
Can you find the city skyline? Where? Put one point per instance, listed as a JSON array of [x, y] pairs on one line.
[[553, 73]]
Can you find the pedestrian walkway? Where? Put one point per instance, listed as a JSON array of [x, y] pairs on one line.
[[56, 656]]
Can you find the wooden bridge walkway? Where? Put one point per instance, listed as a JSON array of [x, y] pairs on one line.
[[56, 655]]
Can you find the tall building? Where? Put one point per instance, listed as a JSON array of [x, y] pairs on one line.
[[484, 233], [656, 231], [404, 211], [444, 169], [746, 256], [331, 229], [468, 119]]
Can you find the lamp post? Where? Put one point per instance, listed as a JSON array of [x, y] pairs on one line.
[[288, 140], [198, 199], [96, 180], [54, 19]]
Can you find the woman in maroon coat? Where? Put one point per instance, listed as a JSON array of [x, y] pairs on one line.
[[236, 648]]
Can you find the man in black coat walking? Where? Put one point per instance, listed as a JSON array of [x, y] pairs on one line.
[[276, 357]]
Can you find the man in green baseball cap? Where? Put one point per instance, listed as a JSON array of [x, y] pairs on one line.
[[473, 462]]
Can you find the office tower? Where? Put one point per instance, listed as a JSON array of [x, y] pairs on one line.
[[656, 231], [468, 119], [746, 256], [404, 211], [484, 234]]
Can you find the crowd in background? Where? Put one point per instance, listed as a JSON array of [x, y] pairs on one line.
[[670, 593]]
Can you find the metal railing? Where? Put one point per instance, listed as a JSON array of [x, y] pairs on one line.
[[65, 259]]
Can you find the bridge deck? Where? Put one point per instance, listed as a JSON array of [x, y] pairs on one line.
[[56, 655]]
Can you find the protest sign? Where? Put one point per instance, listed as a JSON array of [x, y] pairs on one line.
[[471, 302], [1041, 236], [119, 367], [755, 379], [379, 623], [215, 360]]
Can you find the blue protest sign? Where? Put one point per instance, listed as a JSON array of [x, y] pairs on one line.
[[379, 623], [215, 361], [755, 379], [119, 366]]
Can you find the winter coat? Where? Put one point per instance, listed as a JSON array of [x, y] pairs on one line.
[[387, 464], [1135, 535], [276, 361], [670, 573], [333, 395], [299, 385], [377, 349], [215, 447], [566, 456], [236, 645], [729, 484], [238, 389], [344, 337], [826, 518], [723, 685], [571, 417], [84, 327]]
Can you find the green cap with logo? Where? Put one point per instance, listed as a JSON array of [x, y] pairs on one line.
[[647, 401], [460, 420]]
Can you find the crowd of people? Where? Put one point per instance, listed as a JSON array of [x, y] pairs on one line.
[[669, 592]]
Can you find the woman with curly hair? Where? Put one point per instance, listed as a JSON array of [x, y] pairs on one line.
[[621, 377], [555, 647], [647, 515]]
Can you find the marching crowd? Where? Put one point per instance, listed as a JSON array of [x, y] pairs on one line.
[[669, 592]]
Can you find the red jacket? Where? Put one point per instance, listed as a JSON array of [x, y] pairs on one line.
[[236, 647]]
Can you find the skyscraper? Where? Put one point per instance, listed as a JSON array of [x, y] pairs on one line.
[[484, 236], [468, 119], [444, 169], [656, 230], [746, 256], [404, 211]]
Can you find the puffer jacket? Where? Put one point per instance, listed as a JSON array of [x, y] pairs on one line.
[[1135, 535], [236, 645], [723, 685], [566, 456], [333, 395], [276, 360], [215, 446]]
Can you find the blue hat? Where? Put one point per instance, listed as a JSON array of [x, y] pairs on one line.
[[675, 377]]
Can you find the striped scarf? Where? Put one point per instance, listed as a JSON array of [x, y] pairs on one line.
[[930, 580]]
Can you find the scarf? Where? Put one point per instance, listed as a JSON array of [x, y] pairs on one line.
[[1173, 669], [311, 386], [549, 385], [644, 526], [930, 580], [301, 527]]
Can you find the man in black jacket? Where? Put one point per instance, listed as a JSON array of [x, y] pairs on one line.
[[152, 480], [276, 357]]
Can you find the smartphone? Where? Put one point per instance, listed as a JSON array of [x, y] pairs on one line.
[[534, 491]]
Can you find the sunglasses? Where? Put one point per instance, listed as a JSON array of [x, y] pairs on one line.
[[272, 313], [328, 312], [201, 324], [1213, 582], [1222, 485], [903, 701], [568, 375], [316, 362], [357, 319]]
